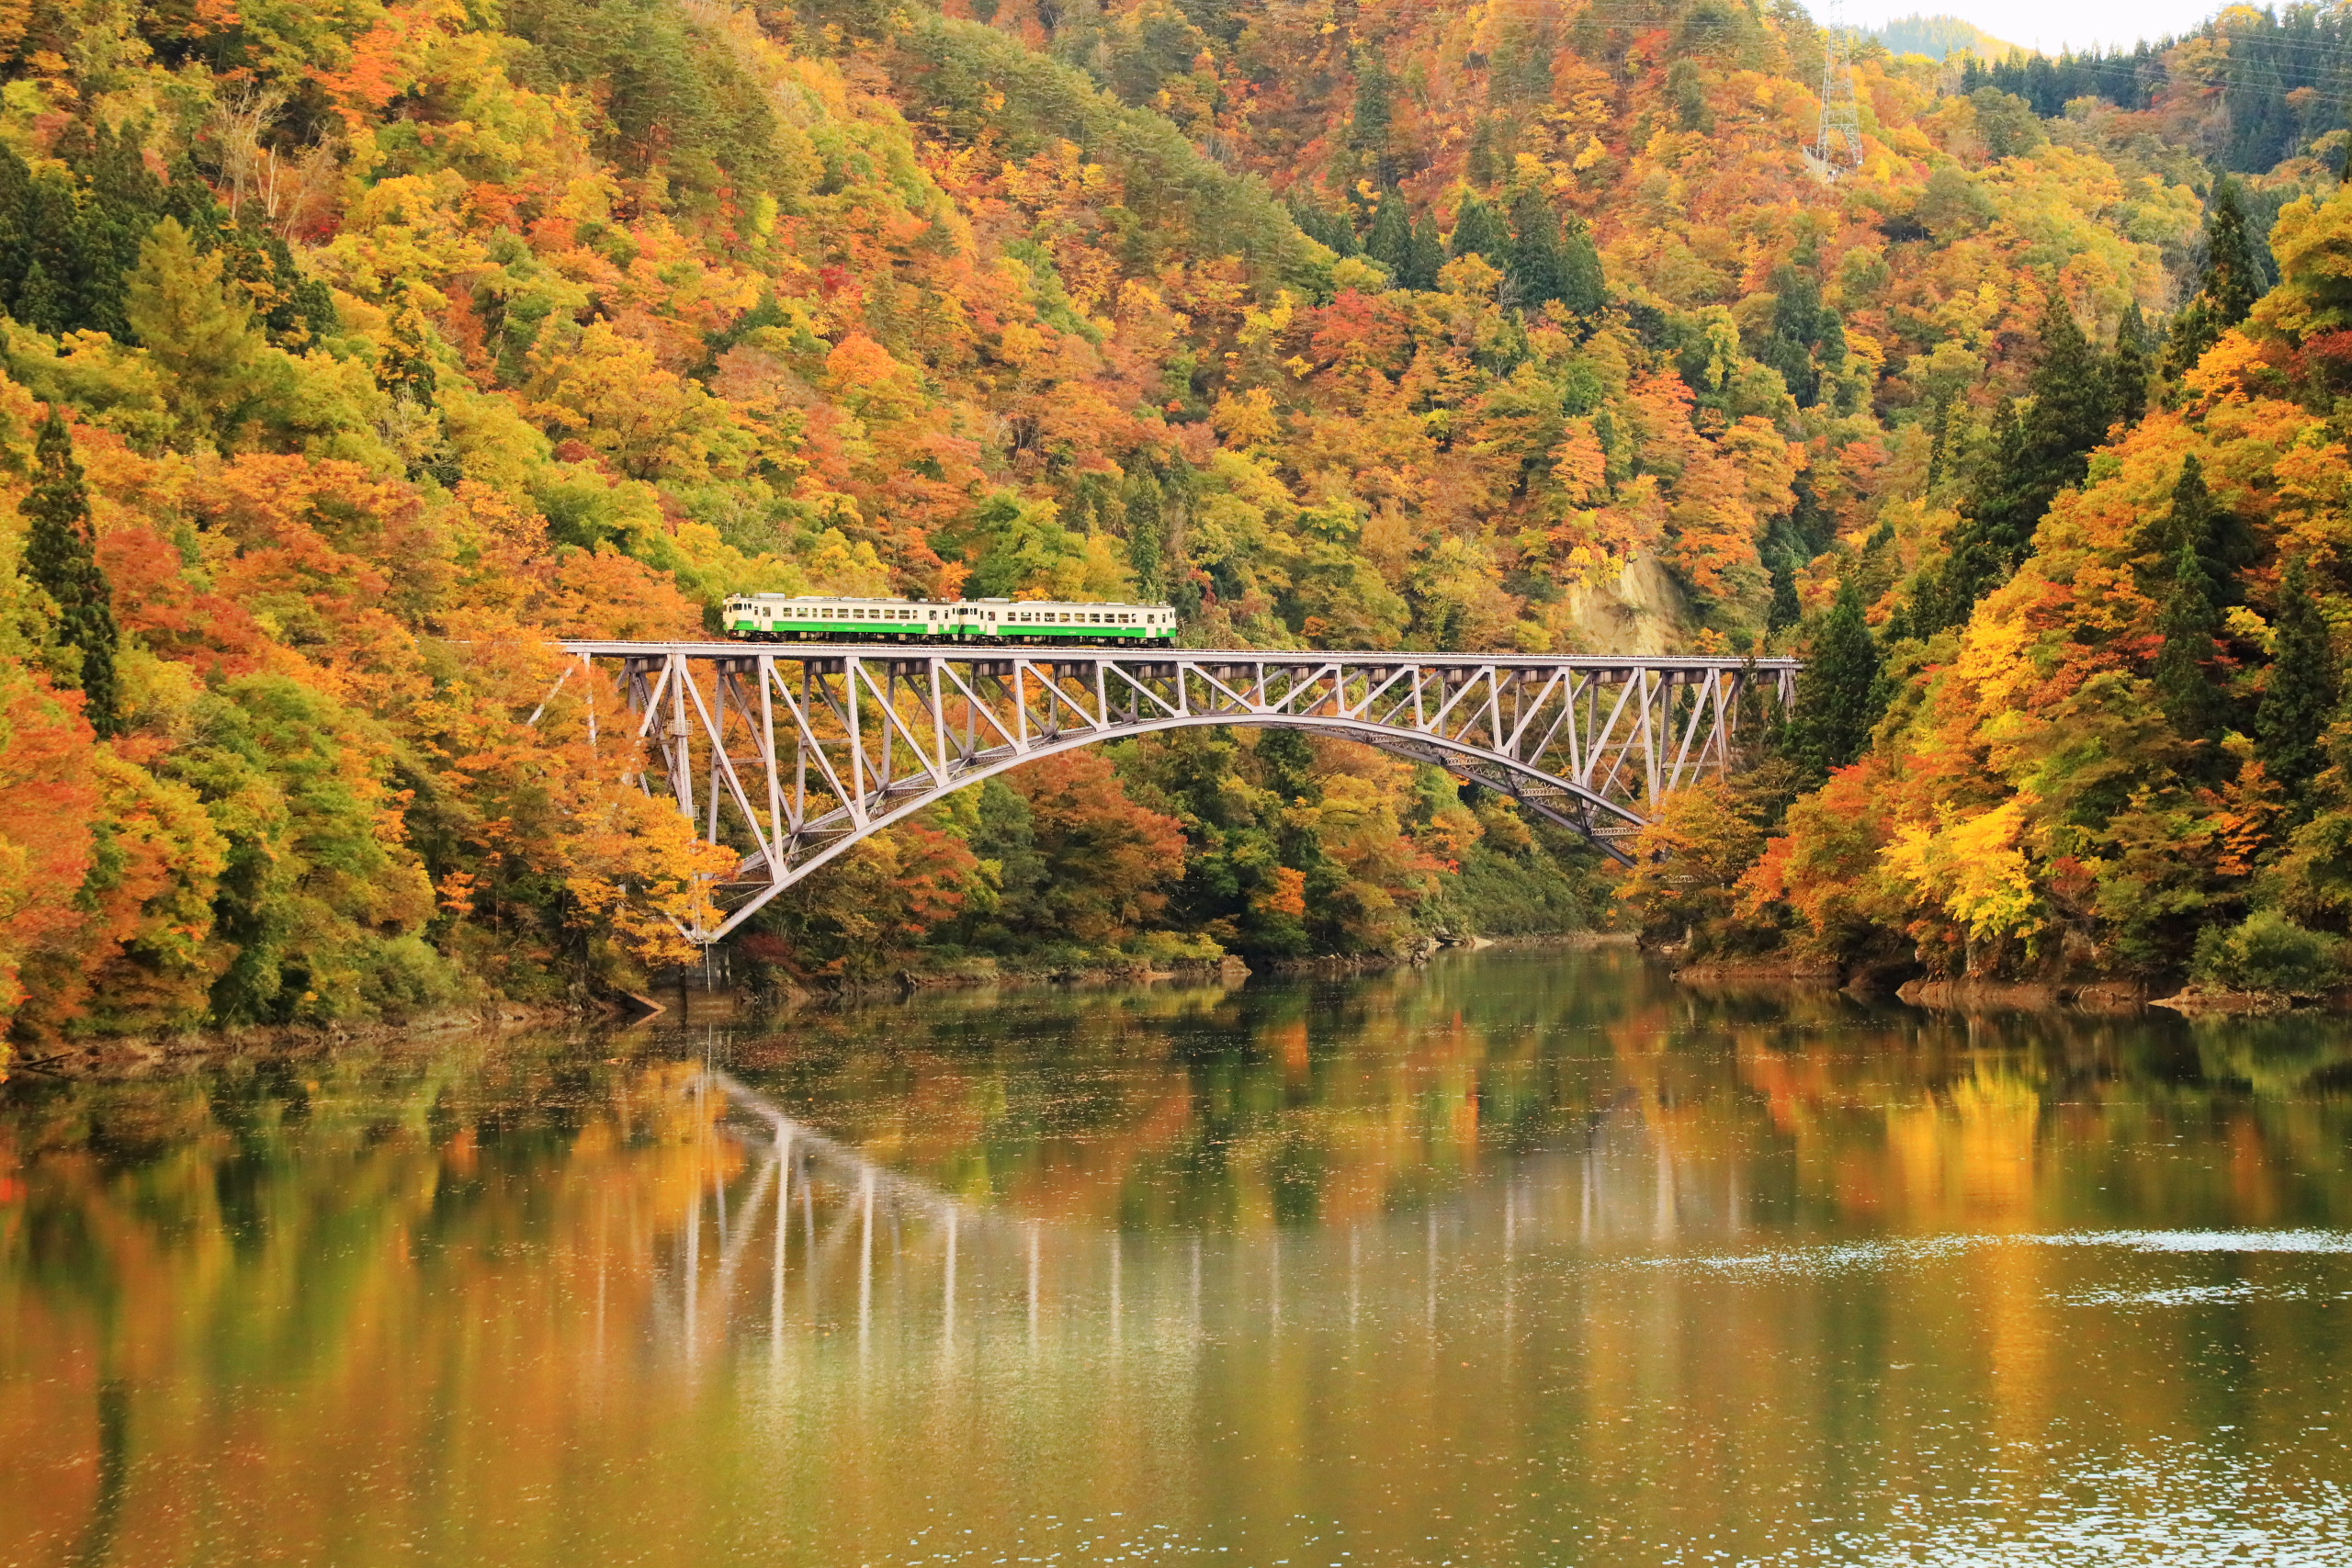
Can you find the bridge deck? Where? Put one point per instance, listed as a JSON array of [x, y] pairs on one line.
[[730, 648]]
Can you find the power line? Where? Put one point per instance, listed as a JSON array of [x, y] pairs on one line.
[[1838, 143]]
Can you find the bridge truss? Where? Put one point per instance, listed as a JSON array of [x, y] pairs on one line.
[[792, 754]]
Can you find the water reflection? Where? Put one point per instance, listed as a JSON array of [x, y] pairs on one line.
[[1531, 1258]]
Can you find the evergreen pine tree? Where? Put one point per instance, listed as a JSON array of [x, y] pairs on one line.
[[2232, 279], [1369, 124], [1534, 269], [1839, 699], [1147, 527], [2131, 367], [2300, 689], [2225, 547], [2026, 463], [2183, 671], [1390, 242], [1478, 231], [41, 304], [2189, 518], [2227, 285], [53, 255], [2073, 405], [15, 225], [121, 201], [1423, 255], [1786, 609], [60, 557], [1330, 229], [189, 199], [1796, 327], [1583, 288], [1482, 166]]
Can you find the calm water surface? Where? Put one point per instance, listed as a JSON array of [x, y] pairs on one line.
[[1529, 1259]]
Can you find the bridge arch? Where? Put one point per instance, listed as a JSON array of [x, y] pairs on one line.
[[794, 754]]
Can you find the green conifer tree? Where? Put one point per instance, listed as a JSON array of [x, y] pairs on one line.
[[1583, 289], [2027, 462], [1423, 255], [61, 555], [41, 304], [121, 200], [2232, 278], [1483, 165], [1534, 269], [1785, 609], [1839, 696], [1478, 231], [1370, 121], [1327, 228], [1390, 242], [2182, 674], [2301, 688], [1144, 505], [2072, 406], [2131, 367], [201, 332], [2227, 285], [53, 255], [15, 225], [2225, 547]]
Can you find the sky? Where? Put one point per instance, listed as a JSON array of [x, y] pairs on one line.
[[2049, 25]]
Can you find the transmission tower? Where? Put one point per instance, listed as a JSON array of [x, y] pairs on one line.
[[1838, 146]]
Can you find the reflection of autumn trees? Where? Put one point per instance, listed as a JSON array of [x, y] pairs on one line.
[[1223, 1108], [1480, 1220], [290, 1235], [2020, 1122]]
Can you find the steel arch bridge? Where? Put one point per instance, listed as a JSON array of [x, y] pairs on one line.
[[792, 754]]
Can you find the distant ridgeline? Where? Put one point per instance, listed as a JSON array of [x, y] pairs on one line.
[[1939, 38], [2285, 78]]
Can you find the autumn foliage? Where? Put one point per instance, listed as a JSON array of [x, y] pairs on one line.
[[393, 341]]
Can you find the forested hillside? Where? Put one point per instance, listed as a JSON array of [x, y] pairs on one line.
[[351, 353]]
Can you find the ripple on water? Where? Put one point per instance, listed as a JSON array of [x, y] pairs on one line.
[[2180, 1506], [1845, 1256]]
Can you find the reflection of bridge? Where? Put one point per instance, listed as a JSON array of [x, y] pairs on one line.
[[791, 754], [867, 1247]]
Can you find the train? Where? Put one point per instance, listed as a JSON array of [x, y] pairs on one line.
[[828, 617]]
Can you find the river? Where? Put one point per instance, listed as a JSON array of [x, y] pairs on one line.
[[1526, 1258]]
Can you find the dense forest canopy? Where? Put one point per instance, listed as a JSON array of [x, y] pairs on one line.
[[351, 353]]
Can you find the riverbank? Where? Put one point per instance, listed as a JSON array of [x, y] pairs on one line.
[[136, 1055], [1976, 993]]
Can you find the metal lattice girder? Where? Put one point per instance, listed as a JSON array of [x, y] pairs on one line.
[[791, 754]]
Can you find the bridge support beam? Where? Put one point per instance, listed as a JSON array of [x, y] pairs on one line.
[[791, 754]]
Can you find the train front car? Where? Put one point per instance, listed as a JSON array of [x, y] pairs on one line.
[[837, 618]]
